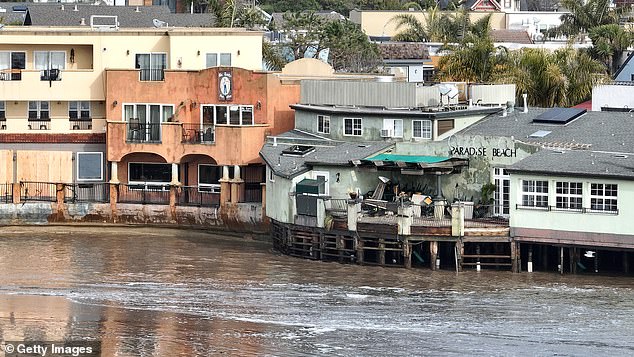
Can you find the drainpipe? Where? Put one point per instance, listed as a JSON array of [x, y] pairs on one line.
[[525, 102]]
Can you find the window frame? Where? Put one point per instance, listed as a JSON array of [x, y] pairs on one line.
[[151, 79], [148, 183], [594, 197], [38, 110], [79, 110], [101, 165], [242, 108], [208, 187], [532, 194], [422, 127], [352, 127], [3, 110], [323, 123], [390, 124], [563, 191]]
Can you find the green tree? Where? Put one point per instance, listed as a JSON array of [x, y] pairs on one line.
[[583, 17], [609, 42]]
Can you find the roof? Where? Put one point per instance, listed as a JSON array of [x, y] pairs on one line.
[[511, 36], [328, 153], [624, 65], [413, 159], [127, 16], [584, 140], [12, 15], [472, 4], [403, 50], [327, 15], [583, 163], [432, 112]]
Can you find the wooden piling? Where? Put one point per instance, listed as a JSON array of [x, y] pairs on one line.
[[407, 253], [381, 248], [433, 253], [359, 247]]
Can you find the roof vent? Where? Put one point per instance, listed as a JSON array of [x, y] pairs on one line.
[[62, 7], [559, 116], [75, 8], [136, 9], [82, 22], [620, 156], [539, 134], [298, 150]]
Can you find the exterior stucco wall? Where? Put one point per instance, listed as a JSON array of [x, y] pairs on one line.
[[605, 223]]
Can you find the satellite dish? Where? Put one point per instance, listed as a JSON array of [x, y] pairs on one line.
[[448, 90], [159, 23]]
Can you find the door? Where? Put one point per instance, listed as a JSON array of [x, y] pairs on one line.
[[502, 194]]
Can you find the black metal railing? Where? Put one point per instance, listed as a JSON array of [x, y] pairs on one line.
[[10, 75], [39, 124], [198, 134], [51, 75], [147, 74], [195, 196], [6, 192], [143, 132], [3, 124], [38, 191], [87, 192], [80, 124], [144, 193]]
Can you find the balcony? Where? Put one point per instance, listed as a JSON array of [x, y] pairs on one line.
[[10, 75], [39, 124], [234, 145], [143, 132], [3, 124], [67, 85], [198, 134], [80, 124]]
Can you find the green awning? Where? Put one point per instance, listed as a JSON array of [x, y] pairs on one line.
[[410, 159]]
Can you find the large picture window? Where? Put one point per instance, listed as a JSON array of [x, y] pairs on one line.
[[149, 173], [209, 178], [228, 114], [535, 193], [393, 128], [421, 129], [89, 166], [603, 197], [352, 126], [569, 195], [50, 63], [11, 64]]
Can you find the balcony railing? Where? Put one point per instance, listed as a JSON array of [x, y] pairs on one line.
[[81, 124], [198, 134], [193, 196], [87, 192], [38, 191], [146, 74], [39, 124], [144, 193], [3, 124], [51, 75], [6, 192], [143, 132], [10, 75]]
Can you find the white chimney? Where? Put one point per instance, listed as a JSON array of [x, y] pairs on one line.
[[83, 21], [274, 141], [137, 9], [525, 102], [470, 102], [62, 7], [75, 8]]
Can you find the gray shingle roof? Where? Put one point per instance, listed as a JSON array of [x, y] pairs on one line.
[[10, 17], [328, 153], [403, 50], [577, 163], [590, 143], [127, 16], [278, 17]]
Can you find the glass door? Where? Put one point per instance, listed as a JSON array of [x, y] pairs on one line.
[[502, 194]]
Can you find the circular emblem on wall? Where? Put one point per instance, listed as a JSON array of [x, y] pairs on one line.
[[224, 85]]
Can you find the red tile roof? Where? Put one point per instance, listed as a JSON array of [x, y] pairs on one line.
[[53, 138], [511, 36]]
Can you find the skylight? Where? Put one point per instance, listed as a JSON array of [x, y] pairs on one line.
[[539, 134], [559, 116], [298, 150]]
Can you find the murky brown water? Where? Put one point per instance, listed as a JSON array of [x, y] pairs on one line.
[[160, 292]]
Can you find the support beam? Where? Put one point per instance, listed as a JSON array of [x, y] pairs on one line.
[[433, 254], [114, 172]]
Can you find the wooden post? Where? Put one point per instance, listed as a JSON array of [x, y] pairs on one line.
[[407, 253], [514, 257], [529, 265], [17, 192], [561, 260], [172, 201], [433, 253], [114, 197], [381, 252], [359, 250], [459, 254], [340, 247]]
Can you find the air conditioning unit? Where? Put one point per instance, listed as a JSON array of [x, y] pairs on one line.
[[386, 133]]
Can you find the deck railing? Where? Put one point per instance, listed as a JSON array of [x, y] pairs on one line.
[[6, 192], [87, 192], [144, 193], [194, 196], [38, 191]]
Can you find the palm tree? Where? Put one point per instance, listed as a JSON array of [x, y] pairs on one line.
[[609, 42], [583, 17], [436, 27]]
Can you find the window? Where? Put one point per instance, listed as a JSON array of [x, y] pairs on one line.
[[603, 197], [218, 59], [421, 129], [392, 128], [149, 173], [325, 177], [89, 166], [502, 194], [77, 110], [151, 66], [352, 126], [209, 178], [568, 195], [38, 110], [271, 175], [3, 112], [228, 114], [534, 193], [144, 121], [50, 63], [323, 124], [11, 64]]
